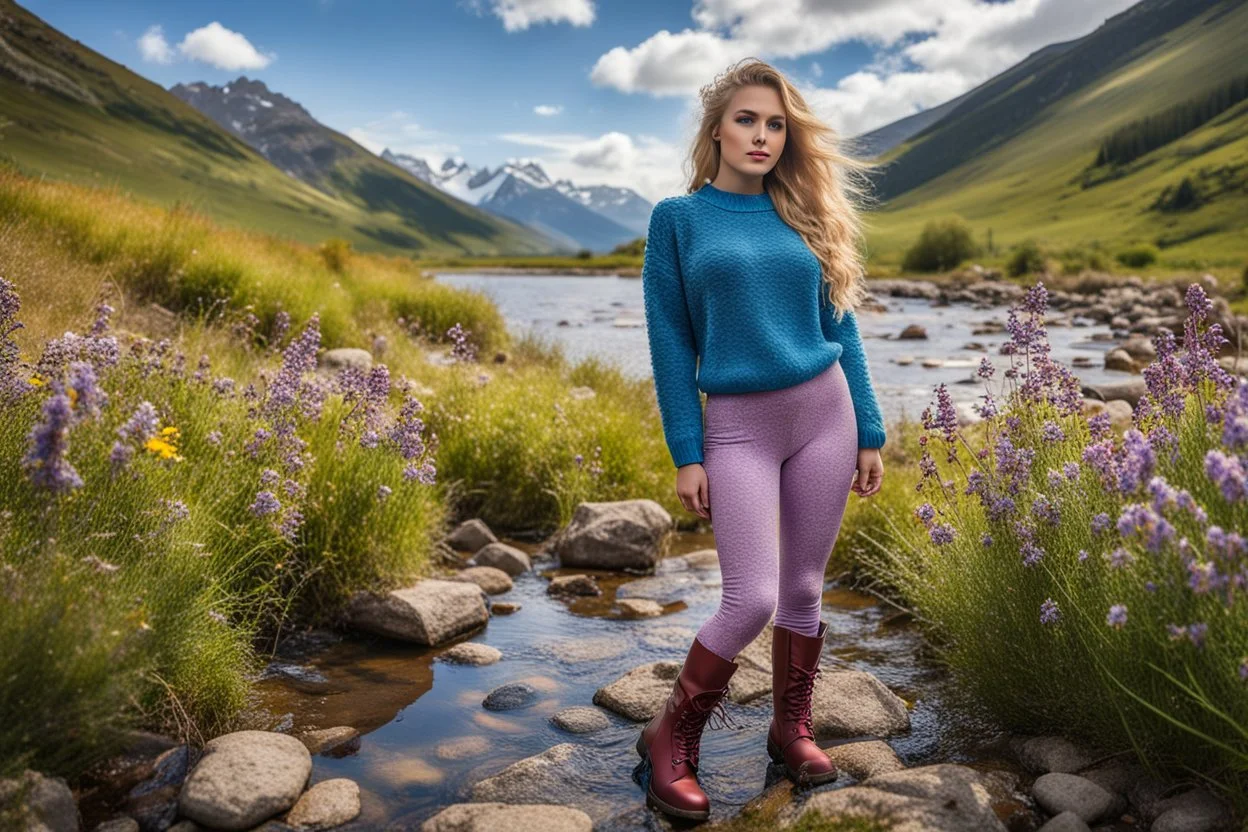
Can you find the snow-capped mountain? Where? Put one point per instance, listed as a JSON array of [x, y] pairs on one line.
[[597, 217]]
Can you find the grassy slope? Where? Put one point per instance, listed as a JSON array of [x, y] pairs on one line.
[[1029, 186], [115, 128]]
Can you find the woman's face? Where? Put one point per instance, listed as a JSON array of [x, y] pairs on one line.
[[751, 134]]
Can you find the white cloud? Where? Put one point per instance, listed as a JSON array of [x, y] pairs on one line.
[[964, 42], [548, 109], [153, 46], [518, 15], [225, 49], [400, 132]]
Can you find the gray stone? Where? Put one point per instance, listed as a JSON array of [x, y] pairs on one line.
[[470, 536], [490, 817], [244, 778], [639, 607], [913, 332], [1140, 348], [472, 652], [578, 650], [861, 760], [1065, 822], [429, 612], [462, 748], [664, 589], [640, 693], [493, 581], [573, 585], [343, 357], [331, 741], [748, 684], [701, 559], [504, 607], [1059, 792], [581, 719], [1120, 359], [1130, 390], [1195, 810], [621, 534], [567, 774], [510, 696], [46, 803], [328, 804], [853, 703], [511, 560], [1045, 754]]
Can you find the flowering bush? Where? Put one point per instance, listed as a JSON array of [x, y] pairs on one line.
[[1084, 581]]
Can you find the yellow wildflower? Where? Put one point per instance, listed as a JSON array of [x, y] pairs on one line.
[[37, 381], [163, 445]]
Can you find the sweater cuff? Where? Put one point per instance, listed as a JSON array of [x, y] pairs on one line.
[[686, 451], [870, 438]]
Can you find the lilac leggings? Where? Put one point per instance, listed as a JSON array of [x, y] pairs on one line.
[[779, 464]]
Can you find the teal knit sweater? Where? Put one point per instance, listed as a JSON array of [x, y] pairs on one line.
[[734, 303]]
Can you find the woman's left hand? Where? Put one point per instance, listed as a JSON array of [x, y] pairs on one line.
[[870, 472]]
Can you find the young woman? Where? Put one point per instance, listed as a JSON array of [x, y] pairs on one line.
[[750, 281]]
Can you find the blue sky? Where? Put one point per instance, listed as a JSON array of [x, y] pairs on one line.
[[598, 91]]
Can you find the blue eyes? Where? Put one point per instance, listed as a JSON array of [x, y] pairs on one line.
[[779, 124]]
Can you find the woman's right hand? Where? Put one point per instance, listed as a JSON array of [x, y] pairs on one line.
[[691, 488]]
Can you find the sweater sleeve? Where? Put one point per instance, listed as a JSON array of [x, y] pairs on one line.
[[673, 348], [857, 373]]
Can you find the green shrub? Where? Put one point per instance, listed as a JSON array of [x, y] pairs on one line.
[[942, 245], [1137, 257], [336, 253], [1026, 259]]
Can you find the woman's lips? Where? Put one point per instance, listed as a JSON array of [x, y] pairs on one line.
[[758, 155]]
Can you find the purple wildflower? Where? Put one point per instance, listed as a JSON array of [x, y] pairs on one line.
[[924, 512], [265, 503], [1049, 612], [45, 460], [383, 491], [140, 427], [1227, 473], [1052, 431], [986, 369], [1032, 553], [941, 534], [1117, 617], [1099, 425], [1120, 558]]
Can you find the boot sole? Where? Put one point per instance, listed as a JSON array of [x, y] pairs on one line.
[[777, 756], [655, 803]]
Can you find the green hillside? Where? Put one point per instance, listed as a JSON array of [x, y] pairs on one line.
[[1015, 156], [69, 113]]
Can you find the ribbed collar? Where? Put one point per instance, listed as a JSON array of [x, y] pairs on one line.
[[732, 201]]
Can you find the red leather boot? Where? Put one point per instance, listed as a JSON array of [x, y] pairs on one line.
[[791, 736], [670, 741]]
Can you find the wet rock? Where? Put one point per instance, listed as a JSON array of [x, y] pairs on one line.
[[576, 651], [332, 742], [622, 534], [46, 803], [510, 697], [472, 652], [122, 824], [1065, 822], [303, 678], [328, 804], [668, 637], [244, 778], [988, 328], [504, 607], [489, 817], [493, 581], [563, 774], [853, 703], [1139, 348], [186, 826], [748, 684], [581, 720], [757, 654], [701, 559], [471, 535], [573, 585], [1047, 754], [340, 359], [499, 555], [640, 693], [1195, 810], [913, 332], [938, 798], [861, 760], [153, 804], [430, 612], [932, 363], [1057, 792], [665, 589], [1130, 390], [1081, 361], [904, 360], [1146, 795], [639, 607], [1120, 359], [462, 748], [1114, 776]]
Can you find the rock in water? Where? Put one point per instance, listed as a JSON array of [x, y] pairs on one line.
[[245, 778], [429, 612], [623, 534]]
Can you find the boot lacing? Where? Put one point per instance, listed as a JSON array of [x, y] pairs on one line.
[[687, 733], [798, 698]]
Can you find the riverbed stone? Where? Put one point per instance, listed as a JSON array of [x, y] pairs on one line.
[[1140, 348], [332, 742], [619, 534], [868, 758], [757, 654], [429, 612], [472, 652], [573, 585], [1120, 359], [1065, 822], [748, 684], [505, 607], [471, 535], [913, 332], [1058, 792], [153, 803], [47, 803], [1195, 810], [489, 817], [499, 555], [462, 748], [328, 804], [581, 719], [1130, 390], [700, 559], [937, 798], [853, 703], [493, 581], [639, 607], [562, 774], [244, 778], [1048, 754], [663, 589], [510, 696], [580, 650], [640, 693]]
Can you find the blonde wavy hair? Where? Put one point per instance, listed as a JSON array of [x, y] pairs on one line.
[[816, 186]]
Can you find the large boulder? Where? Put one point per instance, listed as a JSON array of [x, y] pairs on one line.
[[493, 581], [853, 703], [1130, 390], [429, 612], [621, 534], [640, 693], [511, 560], [244, 778], [470, 536]]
